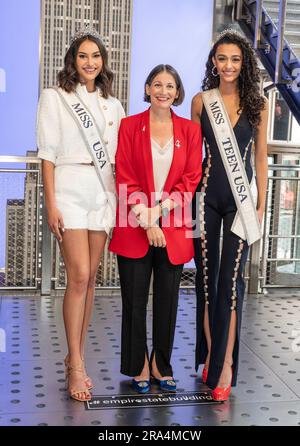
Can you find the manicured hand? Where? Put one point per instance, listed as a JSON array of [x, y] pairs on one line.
[[156, 237]]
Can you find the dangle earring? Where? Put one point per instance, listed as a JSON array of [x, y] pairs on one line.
[[213, 72]]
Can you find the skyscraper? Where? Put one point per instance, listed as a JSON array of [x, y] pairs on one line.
[[23, 238], [32, 236], [14, 262], [60, 19]]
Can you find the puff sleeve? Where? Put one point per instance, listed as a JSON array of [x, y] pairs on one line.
[[48, 125]]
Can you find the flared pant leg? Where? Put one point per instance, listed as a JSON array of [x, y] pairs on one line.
[[230, 295], [166, 282], [135, 275], [207, 261]]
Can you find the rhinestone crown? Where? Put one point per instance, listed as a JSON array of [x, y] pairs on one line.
[[86, 31], [226, 31]]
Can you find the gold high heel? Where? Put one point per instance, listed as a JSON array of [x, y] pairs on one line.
[[75, 392], [87, 379]]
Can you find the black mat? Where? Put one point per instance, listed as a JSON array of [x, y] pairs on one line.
[[149, 400]]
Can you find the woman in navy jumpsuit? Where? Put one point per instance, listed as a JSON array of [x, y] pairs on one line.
[[220, 262]]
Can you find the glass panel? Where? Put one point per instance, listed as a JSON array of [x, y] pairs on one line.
[[18, 229], [282, 117], [283, 228]]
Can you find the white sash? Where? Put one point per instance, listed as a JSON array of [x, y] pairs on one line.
[[246, 224], [92, 137]]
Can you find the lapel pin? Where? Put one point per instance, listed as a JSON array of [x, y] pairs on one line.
[[144, 128], [177, 143]]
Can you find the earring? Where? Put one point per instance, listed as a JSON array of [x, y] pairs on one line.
[[213, 72]]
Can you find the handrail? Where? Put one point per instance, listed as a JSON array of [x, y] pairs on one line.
[[282, 148], [278, 146], [19, 159], [284, 144], [284, 167]]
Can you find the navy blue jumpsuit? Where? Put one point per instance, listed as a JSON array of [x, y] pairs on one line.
[[220, 262]]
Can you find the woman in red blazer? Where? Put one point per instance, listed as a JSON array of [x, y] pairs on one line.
[[158, 166]]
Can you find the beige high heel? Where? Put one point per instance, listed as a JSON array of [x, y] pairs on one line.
[[73, 393], [87, 379]]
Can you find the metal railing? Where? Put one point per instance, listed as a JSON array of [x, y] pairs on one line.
[[20, 226], [280, 256], [31, 258]]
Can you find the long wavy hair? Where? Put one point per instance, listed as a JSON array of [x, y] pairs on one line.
[[250, 99], [68, 77]]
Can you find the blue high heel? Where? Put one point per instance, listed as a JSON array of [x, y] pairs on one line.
[[141, 386], [166, 384]]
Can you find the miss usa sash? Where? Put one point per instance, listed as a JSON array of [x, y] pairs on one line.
[[92, 137], [246, 224]]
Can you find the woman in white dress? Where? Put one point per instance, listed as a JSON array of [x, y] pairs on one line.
[[77, 131]]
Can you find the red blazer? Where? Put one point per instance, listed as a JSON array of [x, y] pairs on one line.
[[134, 169]]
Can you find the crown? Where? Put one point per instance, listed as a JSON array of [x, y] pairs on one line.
[[228, 31], [85, 31]]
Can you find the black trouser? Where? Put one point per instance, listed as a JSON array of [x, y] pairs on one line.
[[219, 283], [135, 275]]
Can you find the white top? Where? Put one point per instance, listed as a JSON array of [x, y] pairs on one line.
[[58, 137], [162, 159]]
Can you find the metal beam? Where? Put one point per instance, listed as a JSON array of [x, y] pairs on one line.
[[258, 24], [280, 42]]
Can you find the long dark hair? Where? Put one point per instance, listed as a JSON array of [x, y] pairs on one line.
[[68, 77], [169, 69], [250, 99]]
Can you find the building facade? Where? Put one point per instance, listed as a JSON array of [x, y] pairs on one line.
[[14, 262], [23, 233], [60, 19]]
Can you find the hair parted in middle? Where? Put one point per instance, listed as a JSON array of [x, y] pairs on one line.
[[250, 98], [168, 69], [68, 77]]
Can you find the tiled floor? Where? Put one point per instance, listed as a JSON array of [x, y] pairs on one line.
[[32, 390]]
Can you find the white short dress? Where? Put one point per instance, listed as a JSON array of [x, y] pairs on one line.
[[78, 193]]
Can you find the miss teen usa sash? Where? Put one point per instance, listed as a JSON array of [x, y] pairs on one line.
[[245, 224], [92, 137]]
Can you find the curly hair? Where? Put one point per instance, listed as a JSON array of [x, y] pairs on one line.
[[68, 77], [250, 99]]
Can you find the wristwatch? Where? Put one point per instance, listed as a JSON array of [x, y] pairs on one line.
[[164, 210]]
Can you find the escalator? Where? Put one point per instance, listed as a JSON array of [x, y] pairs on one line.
[[292, 21], [272, 26]]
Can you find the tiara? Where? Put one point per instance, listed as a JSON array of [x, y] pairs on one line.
[[86, 31], [227, 31]]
